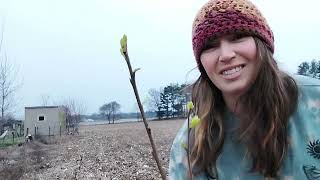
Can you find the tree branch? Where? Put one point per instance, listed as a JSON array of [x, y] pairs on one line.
[[134, 86]]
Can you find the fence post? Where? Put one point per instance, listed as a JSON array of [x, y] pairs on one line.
[[35, 131], [12, 137]]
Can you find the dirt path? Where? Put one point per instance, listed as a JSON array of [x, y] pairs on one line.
[[116, 151]]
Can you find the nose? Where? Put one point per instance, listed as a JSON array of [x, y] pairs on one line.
[[226, 51]]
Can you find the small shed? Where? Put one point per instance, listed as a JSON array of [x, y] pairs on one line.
[[44, 120]]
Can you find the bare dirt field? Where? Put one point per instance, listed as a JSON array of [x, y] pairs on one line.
[[111, 151]]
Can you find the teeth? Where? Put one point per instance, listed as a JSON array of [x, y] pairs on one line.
[[231, 71]]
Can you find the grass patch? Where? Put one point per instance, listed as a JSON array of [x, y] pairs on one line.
[[8, 141]]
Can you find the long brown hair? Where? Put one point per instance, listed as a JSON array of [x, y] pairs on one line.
[[270, 101]]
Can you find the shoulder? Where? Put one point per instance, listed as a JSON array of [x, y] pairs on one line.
[[309, 94], [178, 165], [308, 110], [305, 80], [305, 122], [178, 155], [180, 140]]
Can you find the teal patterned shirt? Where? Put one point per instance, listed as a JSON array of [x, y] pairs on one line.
[[302, 161]]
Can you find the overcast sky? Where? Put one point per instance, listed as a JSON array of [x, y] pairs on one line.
[[70, 48]]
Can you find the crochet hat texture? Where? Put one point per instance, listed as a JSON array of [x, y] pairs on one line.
[[219, 17]]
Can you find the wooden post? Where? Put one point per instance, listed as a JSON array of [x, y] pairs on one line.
[[12, 137], [35, 131]]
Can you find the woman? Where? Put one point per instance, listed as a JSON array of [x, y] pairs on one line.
[[257, 122]]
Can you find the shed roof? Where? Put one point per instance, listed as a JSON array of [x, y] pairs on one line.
[[41, 107]]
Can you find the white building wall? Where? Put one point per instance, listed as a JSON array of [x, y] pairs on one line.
[[53, 116]]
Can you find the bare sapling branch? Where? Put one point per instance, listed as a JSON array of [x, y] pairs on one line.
[[124, 52]]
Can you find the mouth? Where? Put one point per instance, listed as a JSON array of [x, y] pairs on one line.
[[232, 70]]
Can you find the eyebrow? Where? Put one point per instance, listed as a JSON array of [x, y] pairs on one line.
[[216, 40], [211, 42], [227, 36]]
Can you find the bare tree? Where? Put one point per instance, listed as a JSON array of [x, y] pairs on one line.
[[7, 86], [154, 100], [45, 100], [73, 109], [110, 110], [115, 108], [105, 111], [8, 83]]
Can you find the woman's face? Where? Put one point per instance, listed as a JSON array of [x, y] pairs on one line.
[[231, 63]]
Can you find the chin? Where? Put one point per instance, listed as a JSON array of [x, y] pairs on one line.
[[237, 90]]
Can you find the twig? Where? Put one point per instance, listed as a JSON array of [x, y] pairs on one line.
[[188, 149], [124, 52]]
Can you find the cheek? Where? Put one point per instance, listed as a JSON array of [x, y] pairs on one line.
[[253, 53], [252, 57], [251, 50], [208, 62]]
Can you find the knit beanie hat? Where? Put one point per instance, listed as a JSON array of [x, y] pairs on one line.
[[220, 17]]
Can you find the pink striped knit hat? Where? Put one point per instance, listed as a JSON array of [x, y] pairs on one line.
[[219, 17]]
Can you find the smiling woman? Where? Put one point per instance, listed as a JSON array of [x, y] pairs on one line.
[[231, 64], [256, 121]]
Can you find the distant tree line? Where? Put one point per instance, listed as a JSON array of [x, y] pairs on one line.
[[311, 69], [122, 115], [169, 102]]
